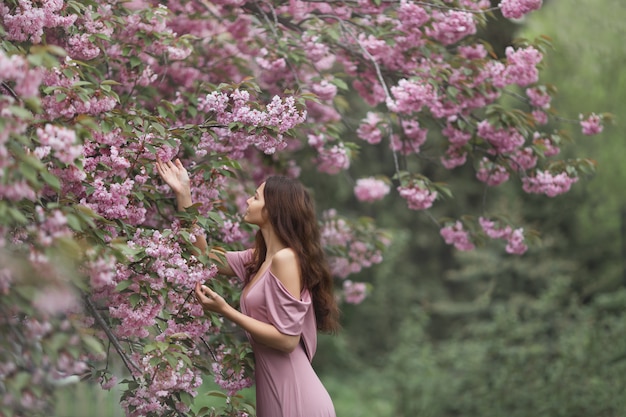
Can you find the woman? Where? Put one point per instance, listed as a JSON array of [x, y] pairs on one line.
[[287, 294]]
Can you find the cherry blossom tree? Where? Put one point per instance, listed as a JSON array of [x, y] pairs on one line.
[[96, 261]]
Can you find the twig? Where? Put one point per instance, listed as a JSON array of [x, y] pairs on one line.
[[10, 90], [112, 338]]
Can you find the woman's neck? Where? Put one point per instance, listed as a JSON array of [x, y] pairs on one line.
[[272, 242]]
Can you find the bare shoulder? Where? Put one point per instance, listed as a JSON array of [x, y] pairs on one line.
[[285, 267]]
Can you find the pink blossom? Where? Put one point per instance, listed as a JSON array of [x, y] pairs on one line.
[[317, 52], [503, 140], [316, 141], [411, 96], [514, 238], [335, 231], [370, 189], [476, 51], [450, 27], [454, 157], [592, 125], [333, 160], [417, 197], [491, 173], [52, 301], [539, 98], [230, 378], [376, 48], [515, 244], [28, 22], [356, 253], [101, 272], [521, 68], [490, 229], [80, 47], [17, 69], [455, 136], [273, 69], [541, 117], [354, 292], [370, 89], [456, 235], [6, 279], [17, 190], [108, 383], [232, 232], [524, 159], [546, 145], [515, 9], [370, 129], [325, 90], [546, 183], [62, 141], [412, 16], [414, 133]]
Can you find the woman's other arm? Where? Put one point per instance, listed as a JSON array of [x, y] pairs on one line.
[[263, 333], [285, 268]]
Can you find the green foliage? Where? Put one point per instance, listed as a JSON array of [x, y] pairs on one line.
[[519, 354]]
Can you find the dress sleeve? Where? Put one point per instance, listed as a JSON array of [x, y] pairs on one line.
[[284, 311], [237, 261]]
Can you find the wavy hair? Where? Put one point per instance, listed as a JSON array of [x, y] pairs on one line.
[[291, 211]]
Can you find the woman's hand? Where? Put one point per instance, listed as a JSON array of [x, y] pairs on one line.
[[210, 300], [175, 175]]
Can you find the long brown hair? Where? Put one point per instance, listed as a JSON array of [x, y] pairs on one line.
[[291, 211]]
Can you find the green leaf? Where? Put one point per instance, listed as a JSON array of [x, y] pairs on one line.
[[134, 300], [134, 61], [73, 222], [341, 84], [17, 215], [186, 398], [123, 285], [20, 112], [51, 180], [218, 394], [95, 345]]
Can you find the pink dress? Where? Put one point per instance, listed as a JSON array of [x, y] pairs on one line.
[[286, 384]]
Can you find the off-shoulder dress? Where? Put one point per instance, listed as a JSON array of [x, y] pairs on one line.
[[286, 384]]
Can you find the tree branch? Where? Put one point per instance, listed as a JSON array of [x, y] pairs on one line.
[[112, 338]]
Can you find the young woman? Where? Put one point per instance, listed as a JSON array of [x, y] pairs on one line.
[[287, 294]]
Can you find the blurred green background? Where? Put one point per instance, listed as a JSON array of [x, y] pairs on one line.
[[486, 334]]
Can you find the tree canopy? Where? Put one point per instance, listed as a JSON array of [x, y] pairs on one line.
[[95, 259]]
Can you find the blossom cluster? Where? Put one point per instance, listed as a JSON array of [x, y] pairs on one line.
[[352, 247], [545, 182], [29, 23], [371, 189], [279, 116], [591, 125], [418, 197], [231, 377], [514, 237], [515, 9], [159, 380], [455, 234]]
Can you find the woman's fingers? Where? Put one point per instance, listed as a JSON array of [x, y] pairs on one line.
[[206, 297]]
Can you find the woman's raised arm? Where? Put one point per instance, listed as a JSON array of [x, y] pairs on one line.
[[176, 176]]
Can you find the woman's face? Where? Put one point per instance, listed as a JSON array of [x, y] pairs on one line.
[[255, 213]]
